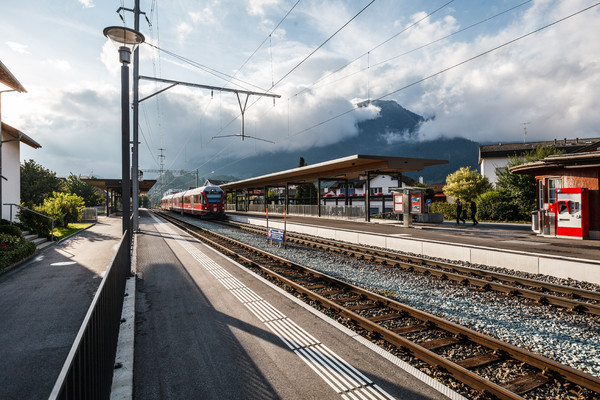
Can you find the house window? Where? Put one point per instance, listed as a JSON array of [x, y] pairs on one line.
[[541, 193], [553, 184], [375, 190]]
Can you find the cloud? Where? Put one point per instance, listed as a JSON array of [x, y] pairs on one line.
[[183, 30], [550, 79], [18, 47], [59, 64], [258, 7], [86, 3], [204, 16]]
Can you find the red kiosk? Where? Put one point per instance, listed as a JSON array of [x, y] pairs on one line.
[[572, 213]]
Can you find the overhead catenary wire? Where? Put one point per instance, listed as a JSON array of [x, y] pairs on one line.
[[217, 73], [315, 85], [378, 46], [450, 68]]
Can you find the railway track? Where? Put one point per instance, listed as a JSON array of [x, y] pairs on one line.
[[568, 298], [483, 362]]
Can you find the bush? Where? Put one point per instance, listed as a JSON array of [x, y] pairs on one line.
[[497, 205], [11, 230], [448, 209], [63, 207], [14, 249], [35, 223]]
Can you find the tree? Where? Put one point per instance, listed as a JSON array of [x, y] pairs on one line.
[[38, 183], [522, 189], [87, 192], [304, 191], [466, 184]]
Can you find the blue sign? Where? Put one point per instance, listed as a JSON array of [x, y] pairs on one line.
[[276, 235]]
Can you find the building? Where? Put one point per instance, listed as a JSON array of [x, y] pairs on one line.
[[379, 185], [10, 150], [566, 171], [495, 157]]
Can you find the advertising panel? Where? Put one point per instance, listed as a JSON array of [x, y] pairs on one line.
[[415, 203]]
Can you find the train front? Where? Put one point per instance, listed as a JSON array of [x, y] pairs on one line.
[[215, 199]]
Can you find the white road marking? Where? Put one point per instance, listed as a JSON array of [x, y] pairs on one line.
[[337, 373]]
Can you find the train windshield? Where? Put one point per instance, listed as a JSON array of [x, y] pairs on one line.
[[213, 196]]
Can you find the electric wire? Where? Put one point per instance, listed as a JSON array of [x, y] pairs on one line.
[[376, 47], [267, 38], [209, 70], [305, 58], [450, 68], [315, 85], [321, 45]]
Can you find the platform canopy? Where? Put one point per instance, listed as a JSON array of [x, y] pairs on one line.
[[115, 184], [8, 79], [342, 168]]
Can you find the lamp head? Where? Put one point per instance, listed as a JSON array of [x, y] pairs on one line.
[[125, 39]]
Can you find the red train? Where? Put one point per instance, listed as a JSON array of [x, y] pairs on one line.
[[205, 201]]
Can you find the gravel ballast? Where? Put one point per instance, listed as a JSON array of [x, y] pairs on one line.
[[570, 339]]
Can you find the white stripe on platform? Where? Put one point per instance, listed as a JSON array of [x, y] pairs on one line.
[[337, 373]]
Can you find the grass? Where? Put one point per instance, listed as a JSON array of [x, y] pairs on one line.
[[63, 232]]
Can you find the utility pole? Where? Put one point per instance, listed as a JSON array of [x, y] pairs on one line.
[[135, 160], [525, 131]]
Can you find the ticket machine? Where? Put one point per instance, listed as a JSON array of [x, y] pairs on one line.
[[572, 213]]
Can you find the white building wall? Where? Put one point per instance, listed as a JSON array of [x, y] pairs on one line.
[[489, 167], [11, 188], [385, 182]]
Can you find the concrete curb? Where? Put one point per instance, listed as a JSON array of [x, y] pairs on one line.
[[122, 384]]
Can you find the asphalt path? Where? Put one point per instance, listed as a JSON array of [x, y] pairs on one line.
[[194, 339], [42, 306]]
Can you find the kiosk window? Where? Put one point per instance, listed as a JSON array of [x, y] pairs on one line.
[[553, 184]]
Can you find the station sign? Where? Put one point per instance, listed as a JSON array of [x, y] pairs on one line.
[[276, 235]]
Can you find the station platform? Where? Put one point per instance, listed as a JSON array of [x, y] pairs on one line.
[[505, 245], [208, 328], [42, 305]]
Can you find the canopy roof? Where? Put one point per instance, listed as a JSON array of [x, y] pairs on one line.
[[17, 134], [115, 184], [341, 168], [577, 160], [7, 78]]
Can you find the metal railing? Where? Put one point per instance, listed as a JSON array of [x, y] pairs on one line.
[[88, 369], [89, 214], [35, 212]]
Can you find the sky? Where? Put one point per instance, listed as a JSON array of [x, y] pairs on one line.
[[457, 63]]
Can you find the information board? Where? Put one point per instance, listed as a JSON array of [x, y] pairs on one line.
[[276, 235], [398, 203]]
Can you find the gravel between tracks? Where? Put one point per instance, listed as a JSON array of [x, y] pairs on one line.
[[570, 339]]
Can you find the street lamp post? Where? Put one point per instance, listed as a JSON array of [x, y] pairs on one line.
[[127, 39]]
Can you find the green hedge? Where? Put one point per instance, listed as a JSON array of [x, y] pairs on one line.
[[11, 230], [497, 205], [14, 249], [448, 209]]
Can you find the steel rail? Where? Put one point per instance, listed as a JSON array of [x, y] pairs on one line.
[[550, 369], [483, 279]]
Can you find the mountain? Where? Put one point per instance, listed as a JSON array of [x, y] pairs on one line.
[[393, 133]]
